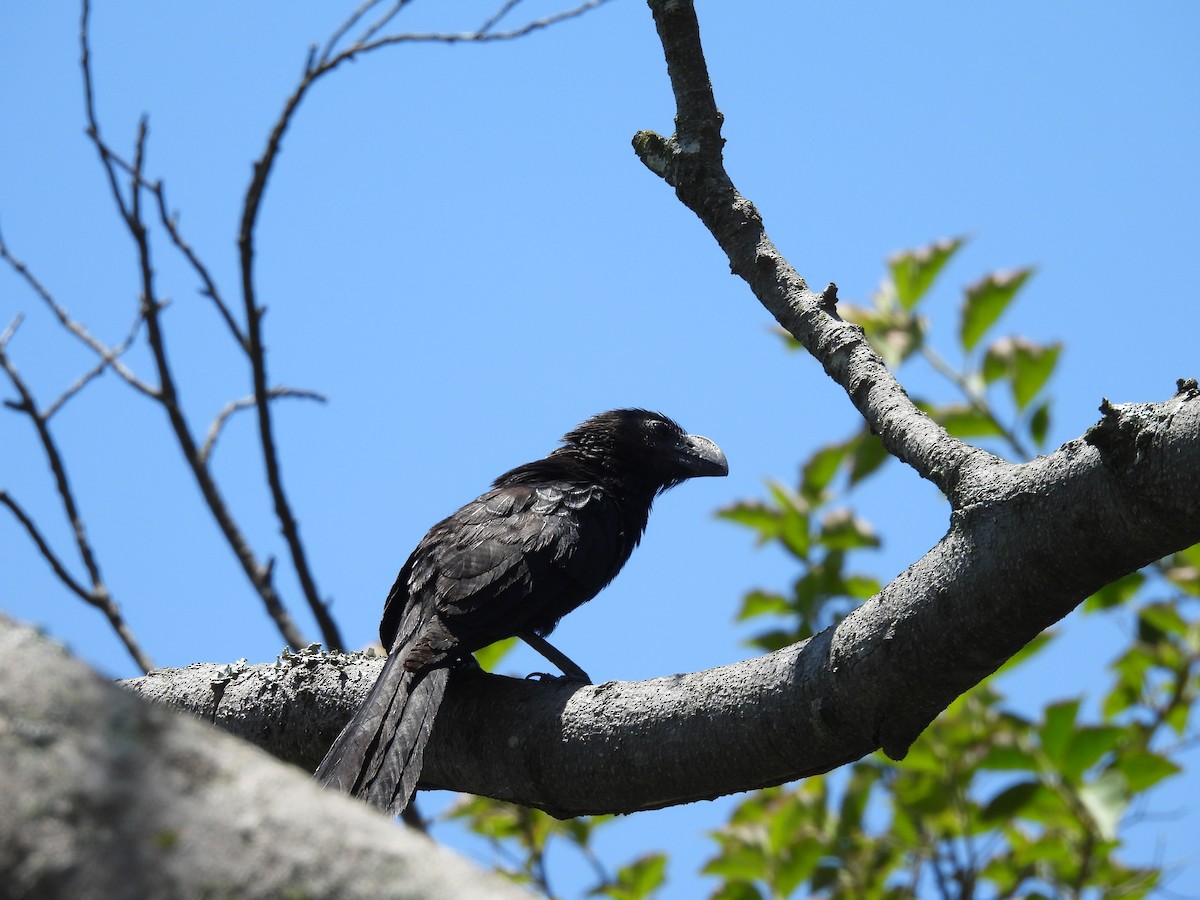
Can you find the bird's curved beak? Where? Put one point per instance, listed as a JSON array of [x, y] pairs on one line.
[[699, 457]]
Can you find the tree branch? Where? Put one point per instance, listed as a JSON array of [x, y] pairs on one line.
[[691, 162], [107, 796], [96, 371], [98, 595], [109, 356], [1026, 549], [171, 224], [167, 394], [230, 409]]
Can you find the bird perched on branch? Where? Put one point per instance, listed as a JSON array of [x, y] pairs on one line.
[[545, 539]]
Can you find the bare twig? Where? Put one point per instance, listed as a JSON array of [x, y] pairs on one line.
[[96, 371], [108, 354], [171, 225], [60, 570], [98, 595], [10, 330], [167, 394], [383, 21], [342, 30], [214, 431], [495, 18], [317, 67], [468, 36]]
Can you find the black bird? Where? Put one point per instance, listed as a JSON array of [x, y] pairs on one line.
[[547, 537]]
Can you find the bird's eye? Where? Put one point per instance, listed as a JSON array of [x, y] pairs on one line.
[[659, 428]]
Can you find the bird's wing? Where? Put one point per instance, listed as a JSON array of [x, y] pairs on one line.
[[516, 559]]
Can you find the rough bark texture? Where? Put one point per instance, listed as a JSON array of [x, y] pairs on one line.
[[106, 796], [1026, 544]]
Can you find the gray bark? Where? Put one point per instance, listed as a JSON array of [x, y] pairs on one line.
[[108, 797], [1026, 544]]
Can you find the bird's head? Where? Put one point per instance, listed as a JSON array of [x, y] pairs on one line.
[[646, 445]]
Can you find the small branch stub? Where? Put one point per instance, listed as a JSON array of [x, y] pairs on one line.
[[654, 151], [829, 297]]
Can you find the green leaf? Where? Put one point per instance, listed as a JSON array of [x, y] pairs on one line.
[[1087, 745], [868, 455], [861, 587], [1057, 728], [797, 865], [986, 301], [789, 340], [1116, 593], [775, 639], [1184, 570], [755, 515], [1105, 800], [997, 361], [793, 531], [744, 861], [1177, 718], [1033, 647], [856, 798], [894, 333], [1032, 367], [820, 469], [1008, 758], [1143, 769], [964, 421], [1039, 423], [638, 880], [1164, 618], [913, 271], [737, 890], [581, 828], [490, 656], [762, 603], [842, 530], [1011, 801]]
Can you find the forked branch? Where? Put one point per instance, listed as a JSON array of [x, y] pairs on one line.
[[97, 594], [692, 162]]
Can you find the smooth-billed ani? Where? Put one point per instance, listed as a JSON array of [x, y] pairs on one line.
[[546, 538]]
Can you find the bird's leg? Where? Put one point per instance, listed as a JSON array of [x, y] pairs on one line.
[[570, 671]]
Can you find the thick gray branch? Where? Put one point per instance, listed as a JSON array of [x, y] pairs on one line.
[[691, 162], [1027, 545], [107, 796]]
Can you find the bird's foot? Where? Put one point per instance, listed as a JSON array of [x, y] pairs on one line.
[[580, 677]]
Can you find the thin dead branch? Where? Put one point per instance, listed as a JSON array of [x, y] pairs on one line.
[[96, 371], [170, 223], [167, 395], [214, 431], [108, 355], [97, 595]]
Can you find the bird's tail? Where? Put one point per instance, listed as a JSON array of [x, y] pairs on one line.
[[378, 754]]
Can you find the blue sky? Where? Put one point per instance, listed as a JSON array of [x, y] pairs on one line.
[[459, 248]]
